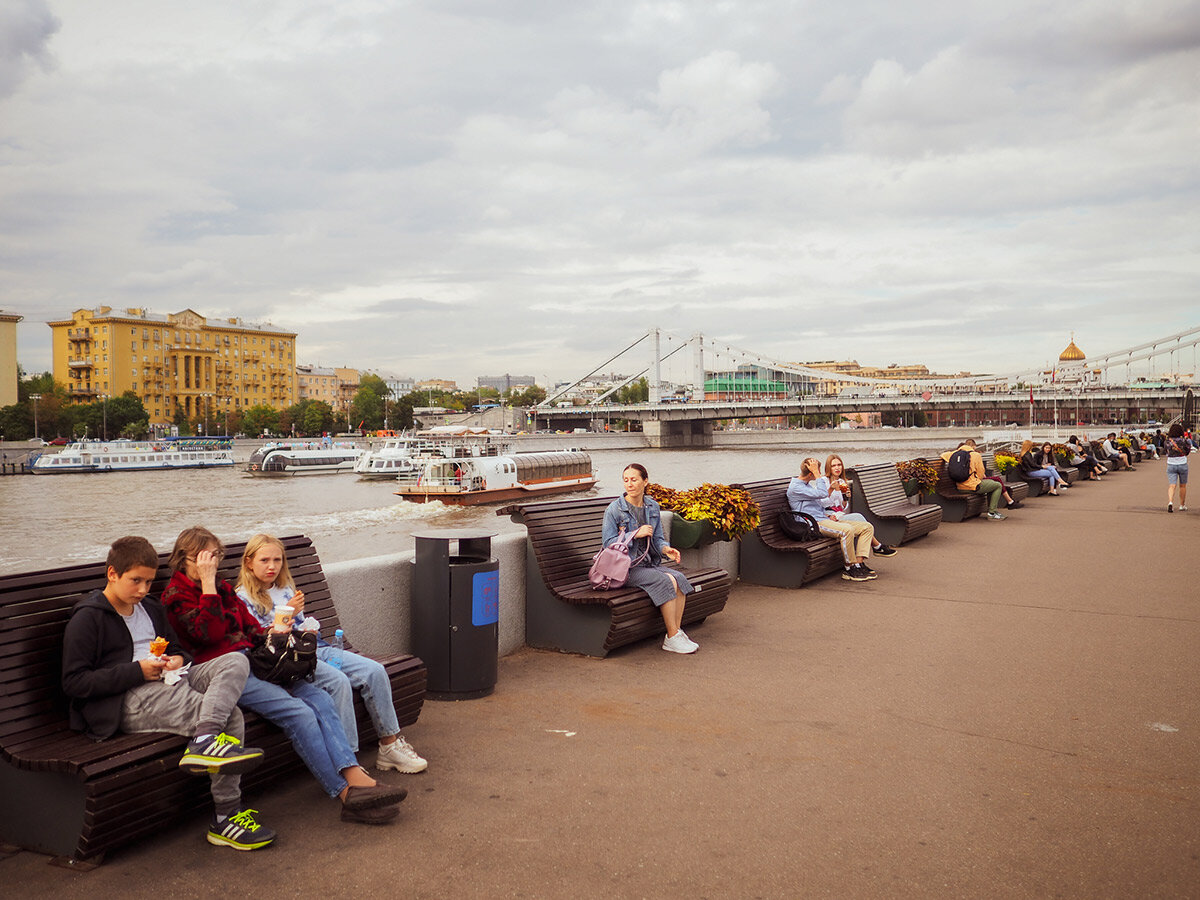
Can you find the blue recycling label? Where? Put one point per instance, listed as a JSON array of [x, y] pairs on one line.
[[485, 598]]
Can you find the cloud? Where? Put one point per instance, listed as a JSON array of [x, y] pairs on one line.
[[26, 27]]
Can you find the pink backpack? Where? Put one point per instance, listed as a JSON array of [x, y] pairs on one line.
[[610, 567]]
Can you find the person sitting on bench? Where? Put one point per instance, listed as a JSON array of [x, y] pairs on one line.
[[977, 480], [810, 492]]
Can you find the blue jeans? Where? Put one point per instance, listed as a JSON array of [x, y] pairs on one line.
[[369, 677], [1049, 474], [309, 719]]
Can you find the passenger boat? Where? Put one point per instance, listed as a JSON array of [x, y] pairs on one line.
[[467, 481], [402, 455], [303, 458], [133, 456]]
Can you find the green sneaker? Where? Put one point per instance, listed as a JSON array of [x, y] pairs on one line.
[[221, 751], [240, 831]]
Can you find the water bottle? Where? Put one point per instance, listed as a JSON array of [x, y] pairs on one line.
[[339, 645]]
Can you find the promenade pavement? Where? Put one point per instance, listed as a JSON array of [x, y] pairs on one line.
[[1008, 711]]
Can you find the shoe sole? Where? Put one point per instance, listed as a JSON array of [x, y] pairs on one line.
[[380, 816], [202, 765], [406, 769], [846, 577], [386, 798], [217, 841], [684, 651]]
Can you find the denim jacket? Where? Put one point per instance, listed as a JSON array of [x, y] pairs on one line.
[[812, 497], [620, 517]]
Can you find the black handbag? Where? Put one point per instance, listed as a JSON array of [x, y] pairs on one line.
[[284, 659], [799, 526]]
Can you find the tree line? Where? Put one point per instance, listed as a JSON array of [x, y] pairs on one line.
[[373, 408]]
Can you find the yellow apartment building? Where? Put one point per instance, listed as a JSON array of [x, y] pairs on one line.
[[318, 383], [204, 367], [8, 357]]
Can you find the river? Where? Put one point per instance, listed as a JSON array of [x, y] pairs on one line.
[[67, 519]]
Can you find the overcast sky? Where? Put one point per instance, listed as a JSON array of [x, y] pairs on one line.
[[456, 188]]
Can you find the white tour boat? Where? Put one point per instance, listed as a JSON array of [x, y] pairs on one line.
[[303, 458], [133, 456], [402, 455], [466, 481]]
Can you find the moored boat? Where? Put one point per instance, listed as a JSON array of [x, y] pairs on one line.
[[467, 481], [403, 455], [303, 458], [133, 456]]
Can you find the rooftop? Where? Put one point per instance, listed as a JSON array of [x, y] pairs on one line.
[[1008, 711]]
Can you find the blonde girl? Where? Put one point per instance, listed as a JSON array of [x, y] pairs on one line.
[[263, 584]]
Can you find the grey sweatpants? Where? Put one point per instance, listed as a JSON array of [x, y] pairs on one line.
[[204, 702]]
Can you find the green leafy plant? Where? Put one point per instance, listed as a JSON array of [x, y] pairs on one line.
[[730, 508], [1062, 454], [920, 471]]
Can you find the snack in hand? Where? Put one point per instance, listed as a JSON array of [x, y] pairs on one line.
[[158, 646]]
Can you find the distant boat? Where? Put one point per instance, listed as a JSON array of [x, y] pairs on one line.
[[491, 479], [303, 458], [401, 455], [134, 456]]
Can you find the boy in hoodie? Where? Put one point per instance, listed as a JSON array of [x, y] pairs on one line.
[[118, 677]]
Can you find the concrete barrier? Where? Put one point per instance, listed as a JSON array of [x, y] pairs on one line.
[[374, 595], [374, 598]]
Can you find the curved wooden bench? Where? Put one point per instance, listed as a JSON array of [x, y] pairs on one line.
[[563, 612], [956, 505], [768, 556], [878, 494], [63, 793]]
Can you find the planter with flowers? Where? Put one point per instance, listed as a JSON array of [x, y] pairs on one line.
[[917, 476], [710, 512]]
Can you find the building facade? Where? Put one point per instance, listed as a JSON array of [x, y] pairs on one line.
[[318, 383], [181, 361], [8, 357], [506, 382]]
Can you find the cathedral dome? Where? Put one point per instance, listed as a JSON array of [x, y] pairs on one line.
[[1072, 353]]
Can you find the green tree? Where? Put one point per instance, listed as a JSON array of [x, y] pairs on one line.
[[180, 421], [367, 408], [260, 419], [635, 392], [531, 396], [318, 418], [16, 422]]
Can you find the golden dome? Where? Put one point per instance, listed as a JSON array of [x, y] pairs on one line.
[[1072, 353]]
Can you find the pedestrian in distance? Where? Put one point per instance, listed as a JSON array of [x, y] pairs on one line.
[[1177, 449]]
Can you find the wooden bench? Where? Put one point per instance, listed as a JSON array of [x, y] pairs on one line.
[[768, 556], [877, 493], [562, 612], [957, 506], [63, 793], [1018, 490]]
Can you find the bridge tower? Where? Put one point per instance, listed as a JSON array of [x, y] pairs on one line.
[[697, 366], [656, 368]]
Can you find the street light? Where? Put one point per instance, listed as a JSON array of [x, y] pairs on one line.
[[35, 398], [104, 397]]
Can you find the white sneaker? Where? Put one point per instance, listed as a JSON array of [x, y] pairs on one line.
[[695, 646], [679, 643], [400, 755]]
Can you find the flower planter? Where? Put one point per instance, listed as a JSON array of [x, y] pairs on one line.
[[911, 486], [686, 533]]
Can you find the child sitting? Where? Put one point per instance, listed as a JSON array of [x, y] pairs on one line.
[[118, 676]]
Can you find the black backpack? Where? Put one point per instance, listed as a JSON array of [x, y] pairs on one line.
[[958, 467], [799, 526]]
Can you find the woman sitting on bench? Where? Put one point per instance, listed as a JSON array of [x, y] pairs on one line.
[[641, 515], [1084, 460], [1039, 464]]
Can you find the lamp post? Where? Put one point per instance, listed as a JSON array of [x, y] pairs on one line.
[[35, 398], [104, 398]]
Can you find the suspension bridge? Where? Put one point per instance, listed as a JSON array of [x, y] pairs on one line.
[[725, 383]]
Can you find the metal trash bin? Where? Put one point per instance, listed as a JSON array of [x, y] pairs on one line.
[[456, 611]]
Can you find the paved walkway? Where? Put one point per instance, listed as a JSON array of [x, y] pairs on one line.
[[1009, 711]]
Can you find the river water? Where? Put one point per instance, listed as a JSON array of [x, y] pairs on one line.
[[66, 519]]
